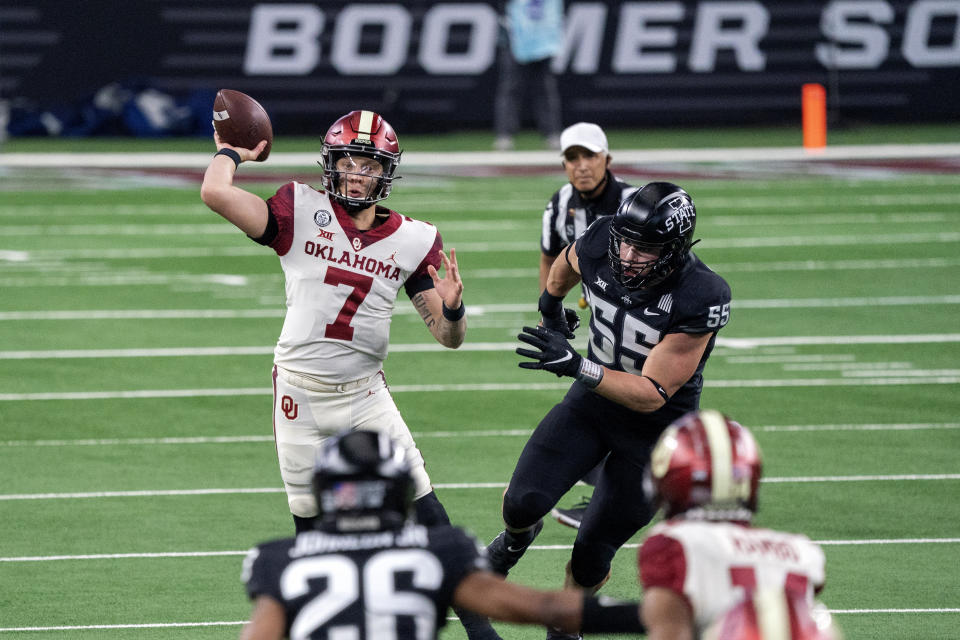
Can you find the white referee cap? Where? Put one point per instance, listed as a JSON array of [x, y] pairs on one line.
[[584, 134]]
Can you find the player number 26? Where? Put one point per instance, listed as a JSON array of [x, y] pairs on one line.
[[374, 586], [718, 316]]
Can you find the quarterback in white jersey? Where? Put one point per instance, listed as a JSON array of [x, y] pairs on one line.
[[705, 558], [345, 259]]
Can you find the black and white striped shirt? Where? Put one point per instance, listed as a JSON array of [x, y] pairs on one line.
[[567, 215]]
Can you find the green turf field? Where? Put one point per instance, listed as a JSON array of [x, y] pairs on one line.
[[136, 330]]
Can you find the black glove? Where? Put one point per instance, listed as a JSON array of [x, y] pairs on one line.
[[555, 317], [555, 353], [573, 320]]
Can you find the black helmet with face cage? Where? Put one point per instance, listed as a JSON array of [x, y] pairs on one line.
[[658, 218], [362, 483]]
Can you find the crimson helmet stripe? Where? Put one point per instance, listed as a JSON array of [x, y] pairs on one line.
[[721, 455]]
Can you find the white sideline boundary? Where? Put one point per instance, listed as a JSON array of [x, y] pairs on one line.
[[426, 159]]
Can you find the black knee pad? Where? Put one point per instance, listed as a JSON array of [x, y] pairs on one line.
[[589, 565], [430, 512], [522, 509]]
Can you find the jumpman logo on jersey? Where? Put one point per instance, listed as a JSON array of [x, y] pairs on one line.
[[393, 258]]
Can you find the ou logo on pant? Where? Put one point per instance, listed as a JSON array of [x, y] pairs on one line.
[[290, 408]]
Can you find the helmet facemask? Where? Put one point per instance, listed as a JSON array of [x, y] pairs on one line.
[[649, 273], [340, 162]]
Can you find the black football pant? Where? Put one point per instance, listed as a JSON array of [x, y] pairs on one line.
[[568, 443]]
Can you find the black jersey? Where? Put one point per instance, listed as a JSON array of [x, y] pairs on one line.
[[567, 215], [626, 324], [382, 584]]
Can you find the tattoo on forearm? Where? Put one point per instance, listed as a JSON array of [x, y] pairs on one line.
[[449, 334], [420, 304]]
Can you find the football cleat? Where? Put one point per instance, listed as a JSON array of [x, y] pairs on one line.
[[573, 516], [556, 634], [503, 555]]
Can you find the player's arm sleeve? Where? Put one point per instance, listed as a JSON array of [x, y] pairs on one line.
[[706, 311], [550, 241], [420, 279], [279, 233], [461, 555], [662, 563], [258, 576]]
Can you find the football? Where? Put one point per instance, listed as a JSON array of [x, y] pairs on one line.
[[241, 122]]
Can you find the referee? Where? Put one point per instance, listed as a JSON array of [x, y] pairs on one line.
[[593, 191]]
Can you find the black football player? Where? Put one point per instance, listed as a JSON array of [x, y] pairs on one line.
[[368, 571], [656, 309]]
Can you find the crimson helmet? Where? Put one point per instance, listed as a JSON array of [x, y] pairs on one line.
[[366, 134], [705, 466], [657, 218], [774, 614], [362, 483]]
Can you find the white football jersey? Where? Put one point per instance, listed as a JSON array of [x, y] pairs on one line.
[[714, 564], [341, 283]]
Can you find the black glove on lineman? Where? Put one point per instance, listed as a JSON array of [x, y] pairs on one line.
[[557, 356], [555, 353], [554, 316]]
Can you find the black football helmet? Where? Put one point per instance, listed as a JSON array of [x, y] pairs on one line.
[[359, 133], [658, 218], [362, 483]]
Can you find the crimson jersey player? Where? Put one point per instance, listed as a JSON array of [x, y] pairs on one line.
[[704, 564], [344, 258], [369, 572]]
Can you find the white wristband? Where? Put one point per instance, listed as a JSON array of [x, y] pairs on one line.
[[590, 373]]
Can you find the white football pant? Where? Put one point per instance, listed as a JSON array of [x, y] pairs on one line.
[[306, 412]]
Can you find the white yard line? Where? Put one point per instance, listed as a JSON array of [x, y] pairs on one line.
[[893, 239], [861, 611], [945, 378], [153, 493], [553, 547], [427, 347], [237, 623], [857, 427], [437, 159], [145, 625], [474, 433], [213, 227], [472, 309]]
